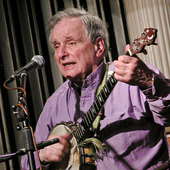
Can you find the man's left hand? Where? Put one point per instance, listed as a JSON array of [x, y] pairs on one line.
[[132, 70]]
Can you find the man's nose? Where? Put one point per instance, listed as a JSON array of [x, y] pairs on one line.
[[62, 51]]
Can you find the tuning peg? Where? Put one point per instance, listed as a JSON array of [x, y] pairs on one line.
[[154, 43], [144, 52]]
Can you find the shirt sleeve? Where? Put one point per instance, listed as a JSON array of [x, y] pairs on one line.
[[158, 98]]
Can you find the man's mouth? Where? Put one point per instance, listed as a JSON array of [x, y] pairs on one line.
[[68, 64]]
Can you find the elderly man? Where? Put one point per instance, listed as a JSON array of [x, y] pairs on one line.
[[133, 118]]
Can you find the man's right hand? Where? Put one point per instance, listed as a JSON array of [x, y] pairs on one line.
[[55, 152]]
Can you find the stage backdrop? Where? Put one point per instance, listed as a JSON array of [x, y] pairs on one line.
[[23, 35]]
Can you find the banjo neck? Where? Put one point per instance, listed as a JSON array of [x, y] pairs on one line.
[[147, 38]]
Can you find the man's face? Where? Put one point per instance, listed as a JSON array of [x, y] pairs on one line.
[[74, 53]]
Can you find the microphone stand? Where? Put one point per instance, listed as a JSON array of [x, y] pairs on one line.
[[21, 117]]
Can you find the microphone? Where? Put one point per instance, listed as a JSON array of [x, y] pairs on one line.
[[36, 62], [41, 145]]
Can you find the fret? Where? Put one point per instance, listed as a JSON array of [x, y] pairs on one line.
[[79, 134], [103, 96], [86, 122], [98, 104], [90, 116], [80, 131], [100, 98], [83, 123], [78, 137], [105, 90], [109, 85], [93, 111], [75, 133], [113, 80], [95, 104]]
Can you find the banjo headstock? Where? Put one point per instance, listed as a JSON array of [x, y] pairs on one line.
[[147, 38]]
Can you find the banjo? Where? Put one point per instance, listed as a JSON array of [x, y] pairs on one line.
[[80, 157]]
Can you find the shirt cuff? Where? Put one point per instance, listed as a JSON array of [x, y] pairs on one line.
[[157, 87]]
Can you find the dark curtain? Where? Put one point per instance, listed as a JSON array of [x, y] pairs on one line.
[[23, 35]]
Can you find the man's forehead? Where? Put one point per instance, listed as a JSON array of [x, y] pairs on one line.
[[68, 28], [71, 22]]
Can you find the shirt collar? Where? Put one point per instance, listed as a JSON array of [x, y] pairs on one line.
[[93, 79]]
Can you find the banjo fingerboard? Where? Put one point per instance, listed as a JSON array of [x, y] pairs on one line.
[[95, 108]]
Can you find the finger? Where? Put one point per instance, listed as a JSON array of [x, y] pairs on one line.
[[55, 153], [64, 140], [65, 136], [124, 59], [119, 77], [127, 47], [52, 137], [119, 66], [119, 72]]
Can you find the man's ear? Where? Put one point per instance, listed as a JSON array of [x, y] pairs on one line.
[[99, 47]]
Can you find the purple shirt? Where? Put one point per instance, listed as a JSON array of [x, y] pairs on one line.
[[133, 126]]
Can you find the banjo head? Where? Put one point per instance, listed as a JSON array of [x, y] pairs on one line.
[[79, 157], [72, 160]]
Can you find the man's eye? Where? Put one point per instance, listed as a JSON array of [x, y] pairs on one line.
[[72, 43], [56, 46]]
